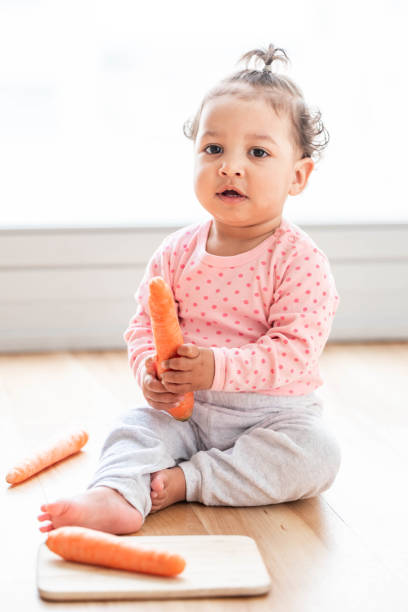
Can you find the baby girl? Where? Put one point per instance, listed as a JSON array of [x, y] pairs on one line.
[[256, 300]]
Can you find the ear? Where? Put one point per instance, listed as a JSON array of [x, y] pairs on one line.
[[301, 172]]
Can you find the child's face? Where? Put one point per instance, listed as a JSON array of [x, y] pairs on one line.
[[264, 171]]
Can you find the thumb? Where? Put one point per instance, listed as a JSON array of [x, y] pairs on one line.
[[150, 365], [188, 350]]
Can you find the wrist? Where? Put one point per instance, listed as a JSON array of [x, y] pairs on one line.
[[210, 369], [219, 356]]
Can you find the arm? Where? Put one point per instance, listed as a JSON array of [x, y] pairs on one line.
[[138, 335], [299, 319]]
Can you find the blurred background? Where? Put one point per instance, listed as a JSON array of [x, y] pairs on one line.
[[96, 170]]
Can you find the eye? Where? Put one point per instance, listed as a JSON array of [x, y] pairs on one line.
[[213, 152], [261, 150]]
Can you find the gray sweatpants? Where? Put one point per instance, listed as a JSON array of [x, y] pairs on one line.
[[237, 449]]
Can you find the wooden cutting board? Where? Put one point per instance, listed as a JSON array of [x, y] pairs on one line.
[[217, 565]]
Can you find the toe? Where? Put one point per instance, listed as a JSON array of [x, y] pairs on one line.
[[57, 508], [157, 482], [155, 506]]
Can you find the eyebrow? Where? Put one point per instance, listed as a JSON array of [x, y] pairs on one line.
[[256, 136]]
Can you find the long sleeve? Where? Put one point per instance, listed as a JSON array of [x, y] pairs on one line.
[[138, 335], [167, 261], [266, 313], [299, 322]]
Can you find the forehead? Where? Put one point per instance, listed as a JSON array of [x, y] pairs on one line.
[[252, 116]]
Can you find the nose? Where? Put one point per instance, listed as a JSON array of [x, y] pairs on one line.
[[227, 169]]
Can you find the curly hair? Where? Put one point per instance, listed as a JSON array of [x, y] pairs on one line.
[[309, 134]]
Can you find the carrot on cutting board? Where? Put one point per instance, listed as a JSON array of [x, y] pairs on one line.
[[51, 453], [167, 336], [99, 548]]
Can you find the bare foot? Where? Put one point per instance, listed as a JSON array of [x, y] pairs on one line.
[[99, 508], [167, 487]]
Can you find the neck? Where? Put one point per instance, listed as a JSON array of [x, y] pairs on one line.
[[228, 240], [244, 233]]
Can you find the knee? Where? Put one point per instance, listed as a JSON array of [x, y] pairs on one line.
[[316, 462], [306, 463], [326, 460]]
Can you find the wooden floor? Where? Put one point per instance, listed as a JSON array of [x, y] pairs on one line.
[[346, 550]]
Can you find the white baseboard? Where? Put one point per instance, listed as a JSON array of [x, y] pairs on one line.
[[72, 289]]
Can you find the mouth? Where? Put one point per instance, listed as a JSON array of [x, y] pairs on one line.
[[231, 195]]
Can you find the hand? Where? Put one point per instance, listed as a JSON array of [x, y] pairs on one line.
[[156, 394], [194, 369]]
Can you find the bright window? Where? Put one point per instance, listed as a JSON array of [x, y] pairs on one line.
[[93, 96]]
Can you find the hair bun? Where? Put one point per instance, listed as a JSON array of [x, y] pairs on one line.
[[269, 55], [309, 135]]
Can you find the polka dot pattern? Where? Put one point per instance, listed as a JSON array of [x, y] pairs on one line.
[[266, 313]]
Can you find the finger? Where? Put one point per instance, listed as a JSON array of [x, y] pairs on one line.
[[178, 363], [150, 365], [153, 384], [175, 388], [188, 350], [177, 377], [164, 398], [163, 406]]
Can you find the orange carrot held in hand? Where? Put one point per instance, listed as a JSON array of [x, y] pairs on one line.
[[167, 336], [99, 548], [67, 445]]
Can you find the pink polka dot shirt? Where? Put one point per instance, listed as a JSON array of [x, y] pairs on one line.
[[265, 313]]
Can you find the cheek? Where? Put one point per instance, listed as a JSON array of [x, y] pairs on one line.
[[201, 177], [199, 188], [196, 177]]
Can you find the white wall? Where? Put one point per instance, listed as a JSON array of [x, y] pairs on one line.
[[73, 289]]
